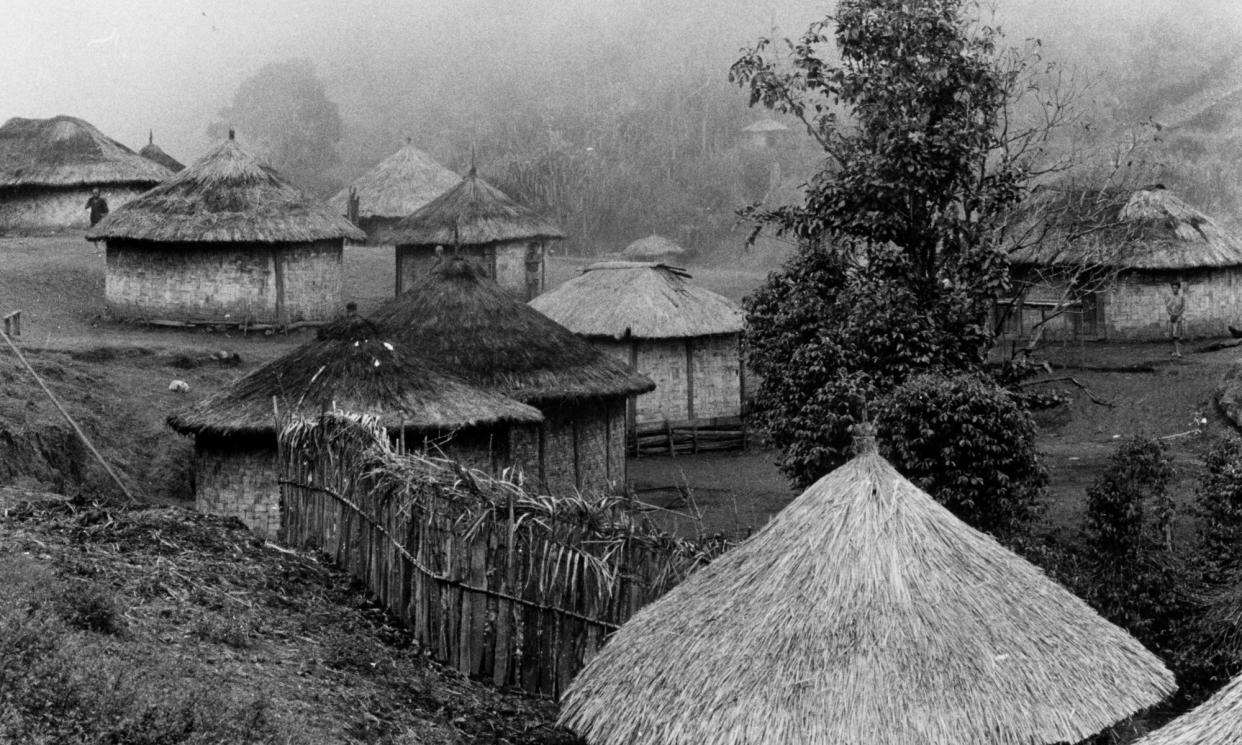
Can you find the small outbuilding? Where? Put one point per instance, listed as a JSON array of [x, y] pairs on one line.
[[764, 134], [1104, 262], [686, 338], [653, 248], [156, 154], [1217, 721], [398, 186], [352, 366], [227, 241], [459, 317], [864, 612], [476, 220], [50, 167]]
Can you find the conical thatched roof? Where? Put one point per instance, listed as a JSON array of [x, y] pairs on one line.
[[766, 125], [469, 325], [643, 300], [473, 212], [154, 153], [1218, 721], [67, 151], [227, 196], [652, 247], [1150, 228], [353, 365], [864, 613], [398, 186]]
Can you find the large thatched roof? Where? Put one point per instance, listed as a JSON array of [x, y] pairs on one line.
[[1150, 228], [468, 324], [358, 368], [398, 186], [864, 613], [473, 213], [227, 196], [642, 300], [156, 154], [1218, 721], [652, 247], [67, 151]]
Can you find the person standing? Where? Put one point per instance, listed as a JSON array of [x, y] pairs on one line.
[[98, 207], [1176, 306]]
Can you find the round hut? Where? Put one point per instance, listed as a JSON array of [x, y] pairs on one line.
[[227, 241], [398, 186], [864, 613], [682, 336], [653, 248], [459, 317], [50, 167], [352, 366], [1217, 721], [763, 134], [1104, 261], [477, 220], [156, 154]]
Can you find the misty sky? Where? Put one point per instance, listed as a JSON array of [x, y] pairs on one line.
[[170, 65]]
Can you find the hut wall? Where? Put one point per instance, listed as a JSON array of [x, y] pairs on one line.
[[664, 361], [238, 483], [578, 447], [223, 283], [717, 376], [50, 209], [505, 262], [712, 360]]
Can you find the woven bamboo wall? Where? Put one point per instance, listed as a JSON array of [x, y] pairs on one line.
[[505, 262], [696, 379], [40, 210], [238, 483]]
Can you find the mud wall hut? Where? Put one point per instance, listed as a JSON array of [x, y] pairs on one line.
[[650, 317], [461, 318], [351, 366], [156, 154], [227, 241], [49, 168], [476, 220], [653, 248], [396, 187], [1105, 260]]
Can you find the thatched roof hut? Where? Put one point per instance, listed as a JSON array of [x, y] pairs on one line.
[[225, 241], [1218, 721], [477, 220], [765, 125], [49, 167], [764, 133], [864, 613], [156, 154], [397, 187], [653, 247]]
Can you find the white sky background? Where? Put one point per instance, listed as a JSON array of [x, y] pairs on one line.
[[170, 65]]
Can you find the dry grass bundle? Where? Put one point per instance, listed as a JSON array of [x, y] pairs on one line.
[[652, 247], [227, 196], [398, 186], [620, 299], [67, 151], [864, 613], [156, 154], [469, 325], [1149, 228], [1218, 721], [472, 213], [354, 366]]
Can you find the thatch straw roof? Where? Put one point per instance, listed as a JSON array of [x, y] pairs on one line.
[[643, 300], [227, 196], [154, 153], [652, 247], [864, 613], [469, 325], [1218, 721], [398, 185], [766, 125], [473, 213], [1150, 228], [67, 151], [358, 368]]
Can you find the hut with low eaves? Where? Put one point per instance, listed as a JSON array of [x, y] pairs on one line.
[[459, 317], [864, 613], [227, 241], [50, 167], [653, 248], [764, 134], [479, 221], [352, 366], [156, 154], [396, 187], [1217, 721], [684, 337], [1104, 260]]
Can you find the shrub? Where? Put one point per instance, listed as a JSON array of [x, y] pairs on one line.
[[1219, 508]]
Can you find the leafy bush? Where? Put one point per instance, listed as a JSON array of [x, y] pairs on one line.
[[1219, 508], [969, 444]]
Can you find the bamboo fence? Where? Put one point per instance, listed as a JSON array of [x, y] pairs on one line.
[[506, 586]]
